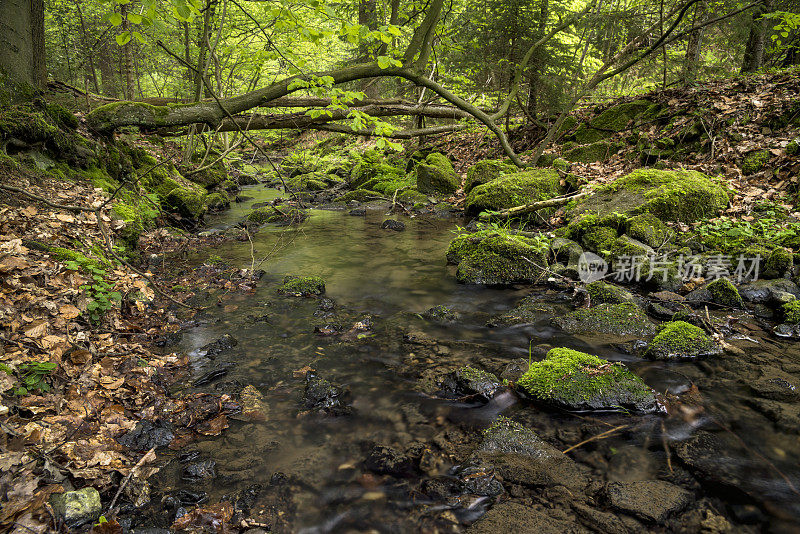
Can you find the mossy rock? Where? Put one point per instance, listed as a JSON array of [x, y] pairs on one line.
[[388, 187], [33, 125], [312, 181], [487, 170], [755, 161], [791, 312], [679, 196], [470, 381], [373, 165], [598, 151], [514, 190], [218, 201], [604, 293], [441, 313], [625, 319], [528, 310], [213, 175], [188, 202], [302, 286], [412, 196], [282, 214], [724, 292], [599, 239], [778, 263], [579, 381], [649, 229], [611, 121], [496, 258], [793, 147], [679, 340], [627, 247], [360, 195], [436, 175]]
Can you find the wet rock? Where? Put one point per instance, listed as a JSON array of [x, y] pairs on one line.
[[604, 293], [714, 458], [699, 296], [776, 386], [388, 461], [522, 457], [515, 369], [441, 313], [302, 286], [226, 342], [469, 381], [514, 517], [210, 376], [391, 224], [679, 340], [478, 479], [605, 522], [184, 497], [779, 262], [322, 396], [768, 291], [724, 292], [244, 499], [358, 212], [77, 508], [514, 189], [147, 435], [788, 331], [199, 470], [616, 319], [578, 381], [495, 258], [651, 500], [528, 310]]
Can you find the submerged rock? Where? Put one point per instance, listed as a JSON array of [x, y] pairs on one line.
[[617, 319], [528, 310], [651, 500], [147, 435], [77, 508], [679, 340], [441, 313], [514, 189], [199, 470], [388, 461], [302, 286], [579, 381], [498, 258], [391, 224], [226, 342], [514, 517], [469, 381], [325, 397]]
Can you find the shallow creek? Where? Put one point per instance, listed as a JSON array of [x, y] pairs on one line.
[[750, 469]]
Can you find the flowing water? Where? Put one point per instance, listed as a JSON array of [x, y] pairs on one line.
[[394, 276]]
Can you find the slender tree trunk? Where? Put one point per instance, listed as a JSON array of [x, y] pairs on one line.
[[127, 66], [108, 75], [691, 63], [202, 43], [754, 50], [87, 51], [537, 61]]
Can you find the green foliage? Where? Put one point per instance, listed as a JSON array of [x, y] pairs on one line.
[[769, 227], [33, 376], [791, 312], [99, 291]]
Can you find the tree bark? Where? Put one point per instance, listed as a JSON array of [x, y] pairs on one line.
[[691, 63], [754, 50], [22, 53]]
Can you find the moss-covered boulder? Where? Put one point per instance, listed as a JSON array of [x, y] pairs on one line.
[[37, 124], [359, 195], [412, 196], [213, 172], [755, 161], [302, 286], [599, 239], [604, 293], [487, 170], [190, 203], [724, 292], [218, 201], [778, 263], [372, 165], [498, 258], [625, 319], [649, 229], [613, 120], [312, 181], [790, 312], [282, 214], [679, 340], [578, 381], [599, 151], [514, 190], [680, 196], [76, 508], [436, 175]]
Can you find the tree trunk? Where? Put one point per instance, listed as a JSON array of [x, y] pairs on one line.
[[88, 53], [754, 50], [22, 53], [691, 63], [108, 75], [537, 61]]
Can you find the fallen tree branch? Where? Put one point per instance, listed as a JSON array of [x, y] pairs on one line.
[[532, 207]]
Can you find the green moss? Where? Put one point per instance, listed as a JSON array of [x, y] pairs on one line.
[[625, 246], [601, 292], [514, 190], [793, 147], [681, 340], [210, 176], [494, 257], [471, 374], [599, 151], [360, 195], [299, 286], [189, 203], [436, 175], [755, 161], [31, 124], [373, 165], [63, 118], [217, 201], [282, 213], [578, 380], [724, 292], [487, 170], [680, 196], [100, 178], [65, 255], [611, 121], [649, 229], [778, 263], [616, 319], [791, 312], [412, 196], [599, 239]]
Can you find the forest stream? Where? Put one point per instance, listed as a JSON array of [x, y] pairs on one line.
[[387, 280]]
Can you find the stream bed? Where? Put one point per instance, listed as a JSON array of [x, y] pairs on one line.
[[732, 444]]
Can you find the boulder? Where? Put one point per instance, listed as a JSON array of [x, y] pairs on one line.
[[324, 397], [498, 258], [724, 292], [604, 293], [578, 381], [469, 381], [190, 203], [679, 340], [436, 175], [616, 319], [613, 120], [302, 286], [487, 170], [515, 189]]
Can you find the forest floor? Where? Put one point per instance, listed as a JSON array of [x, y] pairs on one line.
[[82, 384]]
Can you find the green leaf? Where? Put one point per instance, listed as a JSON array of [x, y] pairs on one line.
[[139, 37], [135, 18], [384, 62], [123, 38], [115, 19]]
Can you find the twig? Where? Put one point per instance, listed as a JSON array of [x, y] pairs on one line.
[[149, 455], [533, 206], [603, 435]]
